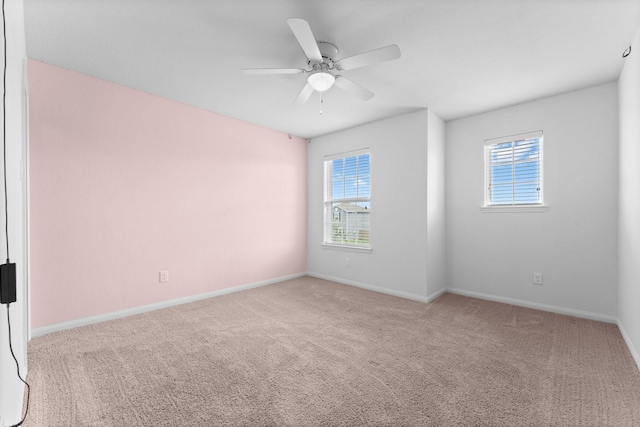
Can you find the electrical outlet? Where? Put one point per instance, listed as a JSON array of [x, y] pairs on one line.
[[537, 278], [347, 262], [164, 276]]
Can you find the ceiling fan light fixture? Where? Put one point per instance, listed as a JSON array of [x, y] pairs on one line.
[[321, 81]]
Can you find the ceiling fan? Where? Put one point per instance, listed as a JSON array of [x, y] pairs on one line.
[[324, 66]]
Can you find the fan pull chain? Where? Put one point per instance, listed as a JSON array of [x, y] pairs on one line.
[[321, 102]]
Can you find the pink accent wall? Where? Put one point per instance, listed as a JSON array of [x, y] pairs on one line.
[[124, 184]]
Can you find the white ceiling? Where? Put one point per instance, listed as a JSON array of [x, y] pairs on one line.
[[459, 57]]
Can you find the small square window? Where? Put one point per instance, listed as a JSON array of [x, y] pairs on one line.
[[513, 170]]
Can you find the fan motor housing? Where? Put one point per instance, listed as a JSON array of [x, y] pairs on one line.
[[329, 54]]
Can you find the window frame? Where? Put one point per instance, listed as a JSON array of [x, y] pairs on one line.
[[328, 201], [488, 206]]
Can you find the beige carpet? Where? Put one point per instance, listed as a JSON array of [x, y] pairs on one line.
[[308, 352]]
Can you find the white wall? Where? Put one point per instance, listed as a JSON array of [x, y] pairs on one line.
[[397, 262], [574, 243], [11, 389], [436, 280], [629, 208]]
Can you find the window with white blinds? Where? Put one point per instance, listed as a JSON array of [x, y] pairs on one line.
[[513, 170], [347, 199]]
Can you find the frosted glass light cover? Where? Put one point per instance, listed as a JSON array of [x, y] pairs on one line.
[[321, 81]]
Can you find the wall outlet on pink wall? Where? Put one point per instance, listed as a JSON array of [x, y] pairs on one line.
[[164, 276]]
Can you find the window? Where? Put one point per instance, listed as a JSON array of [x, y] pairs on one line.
[[347, 199], [513, 170]]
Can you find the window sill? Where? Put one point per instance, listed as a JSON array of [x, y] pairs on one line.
[[346, 248], [514, 209]]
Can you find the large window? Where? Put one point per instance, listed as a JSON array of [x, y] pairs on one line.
[[347, 199], [513, 170]]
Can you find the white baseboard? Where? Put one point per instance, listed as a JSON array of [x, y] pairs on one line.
[[522, 303], [538, 306], [627, 340], [436, 294], [378, 289], [36, 332]]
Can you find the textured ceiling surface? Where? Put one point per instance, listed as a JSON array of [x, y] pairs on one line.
[[459, 57]]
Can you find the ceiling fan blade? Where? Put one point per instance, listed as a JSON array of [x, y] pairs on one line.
[[304, 95], [273, 71], [375, 56], [353, 88], [305, 37]]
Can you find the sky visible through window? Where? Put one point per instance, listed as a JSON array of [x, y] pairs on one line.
[[351, 178], [515, 173]]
